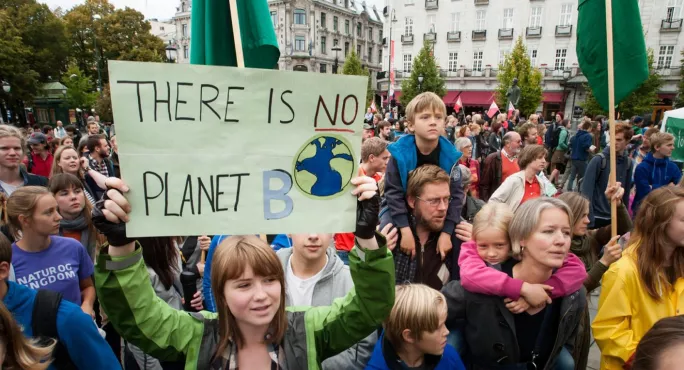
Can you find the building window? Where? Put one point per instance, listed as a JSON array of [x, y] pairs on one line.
[[346, 27], [300, 43], [508, 18], [480, 20], [323, 20], [380, 34], [335, 28], [408, 26], [566, 15], [358, 51], [502, 55], [533, 56], [186, 52], [370, 54], [453, 61], [432, 23], [324, 45], [676, 6], [358, 30], [335, 42], [185, 30], [477, 61], [455, 22], [299, 16], [274, 19], [560, 59], [370, 33], [536, 17], [324, 68], [408, 2], [407, 63], [161, 28], [665, 56], [346, 49], [380, 55]]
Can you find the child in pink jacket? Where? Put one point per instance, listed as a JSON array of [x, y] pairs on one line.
[[480, 258]]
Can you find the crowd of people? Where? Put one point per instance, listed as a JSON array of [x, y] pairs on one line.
[[478, 243]]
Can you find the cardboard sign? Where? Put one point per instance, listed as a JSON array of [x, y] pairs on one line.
[[675, 126], [221, 150]]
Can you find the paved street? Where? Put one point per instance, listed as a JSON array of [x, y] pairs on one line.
[[594, 353]]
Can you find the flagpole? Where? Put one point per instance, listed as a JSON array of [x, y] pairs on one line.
[[235, 20], [611, 112]]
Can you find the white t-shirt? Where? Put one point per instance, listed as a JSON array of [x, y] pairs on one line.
[[8, 188], [301, 290]]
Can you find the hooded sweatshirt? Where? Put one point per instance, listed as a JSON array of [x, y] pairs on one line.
[[76, 329], [335, 282], [579, 145], [651, 174], [596, 181]]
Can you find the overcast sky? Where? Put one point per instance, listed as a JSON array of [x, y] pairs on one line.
[[161, 9]]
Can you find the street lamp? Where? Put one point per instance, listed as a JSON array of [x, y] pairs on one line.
[[393, 19], [171, 53], [337, 60], [6, 87], [97, 55], [420, 83]]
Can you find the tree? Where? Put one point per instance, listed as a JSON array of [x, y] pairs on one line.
[[679, 101], [638, 102], [423, 65], [80, 88], [120, 34], [103, 106], [352, 67], [517, 65]]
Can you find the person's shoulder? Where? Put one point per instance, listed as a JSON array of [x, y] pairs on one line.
[[65, 243], [451, 358], [35, 180], [625, 268]]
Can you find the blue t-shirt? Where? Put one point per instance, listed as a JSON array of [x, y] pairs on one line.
[[59, 268]]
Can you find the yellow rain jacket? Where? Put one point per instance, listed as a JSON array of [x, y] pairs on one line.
[[626, 311]]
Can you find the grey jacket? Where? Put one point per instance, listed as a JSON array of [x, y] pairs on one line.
[[335, 283]]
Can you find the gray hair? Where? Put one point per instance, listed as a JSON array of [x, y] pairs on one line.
[[527, 217], [508, 137], [463, 142]]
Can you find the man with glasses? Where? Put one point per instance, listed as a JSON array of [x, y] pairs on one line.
[[500, 164]]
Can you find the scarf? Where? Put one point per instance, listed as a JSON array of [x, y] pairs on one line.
[[79, 224]]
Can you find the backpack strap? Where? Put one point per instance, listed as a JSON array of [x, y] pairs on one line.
[[44, 326]]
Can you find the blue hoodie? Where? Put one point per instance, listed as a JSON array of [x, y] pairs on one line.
[[77, 331], [384, 357], [651, 174], [579, 145]]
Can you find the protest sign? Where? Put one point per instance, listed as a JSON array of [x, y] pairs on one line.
[[675, 126], [222, 150]]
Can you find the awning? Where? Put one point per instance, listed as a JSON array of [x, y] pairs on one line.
[[482, 98], [670, 96], [552, 97], [450, 97]]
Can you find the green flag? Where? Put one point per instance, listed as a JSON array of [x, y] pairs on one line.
[[212, 34], [630, 59]]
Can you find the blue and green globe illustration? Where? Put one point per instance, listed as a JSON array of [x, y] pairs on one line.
[[324, 166]]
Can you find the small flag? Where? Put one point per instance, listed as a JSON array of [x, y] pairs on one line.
[[511, 109], [372, 107], [458, 105], [493, 109]]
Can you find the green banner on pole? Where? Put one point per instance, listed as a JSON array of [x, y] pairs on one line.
[[675, 126]]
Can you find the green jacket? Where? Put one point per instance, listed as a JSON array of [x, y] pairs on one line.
[[313, 333]]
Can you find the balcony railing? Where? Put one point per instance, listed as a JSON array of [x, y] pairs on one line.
[[668, 72], [454, 36], [671, 25], [481, 2], [407, 39], [505, 34], [431, 4], [533, 32], [430, 36], [480, 35], [564, 31]]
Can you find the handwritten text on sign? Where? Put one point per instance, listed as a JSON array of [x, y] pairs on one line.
[[220, 150]]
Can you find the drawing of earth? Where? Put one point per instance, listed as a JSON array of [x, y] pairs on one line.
[[324, 166]]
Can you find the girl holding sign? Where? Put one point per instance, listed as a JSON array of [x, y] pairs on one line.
[[252, 329]]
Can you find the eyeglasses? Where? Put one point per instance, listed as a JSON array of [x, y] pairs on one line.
[[435, 202]]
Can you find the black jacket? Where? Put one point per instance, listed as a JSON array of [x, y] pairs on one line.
[[489, 327]]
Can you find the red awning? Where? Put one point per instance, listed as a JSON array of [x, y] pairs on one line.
[[482, 98], [552, 97], [670, 96], [450, 97]]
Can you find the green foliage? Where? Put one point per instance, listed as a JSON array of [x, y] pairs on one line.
[[517, 65], [352, 67], [640, 101], [679, 101], [120, 34], [103, 106], [424, 65], [80, 92]]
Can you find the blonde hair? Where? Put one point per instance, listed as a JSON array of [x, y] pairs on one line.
[[22, 352], [22, 202], [11, 131], [417, 308], [475, 128], [527, 218], [492, 216], [660, 138], [56, 169], [230, 261], [422, 102]]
